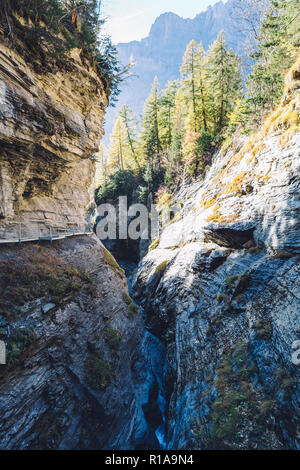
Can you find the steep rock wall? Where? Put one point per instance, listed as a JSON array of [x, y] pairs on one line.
[[221, 291], [77, 373], [50, 126]]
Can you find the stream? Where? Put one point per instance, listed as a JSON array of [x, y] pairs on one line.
[[155, 355]]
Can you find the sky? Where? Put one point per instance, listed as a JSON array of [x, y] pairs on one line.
[[130, 20]]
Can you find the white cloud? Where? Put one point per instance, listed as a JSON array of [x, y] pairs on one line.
[[127, 28]]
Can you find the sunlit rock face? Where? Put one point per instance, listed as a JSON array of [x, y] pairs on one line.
[[221, 291], [79, 372], [50, 126]]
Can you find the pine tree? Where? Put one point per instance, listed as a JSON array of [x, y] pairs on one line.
[[189, 72], [166, 111], [202, 88], [278, 44], [174, 166], [130, 124], [150, 135], [224, 81]]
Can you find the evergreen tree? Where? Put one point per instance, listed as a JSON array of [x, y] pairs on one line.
[[173, 169], [119, 149], [166, 110], [278, 44], [202, 88], [224, 81], [150, 136], [51, 28], [189, 74], [130, 124]]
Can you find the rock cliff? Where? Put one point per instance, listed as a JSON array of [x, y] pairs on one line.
[[77, 374], [50, 126], [221, 291]]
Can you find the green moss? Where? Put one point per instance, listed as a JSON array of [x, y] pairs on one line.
[[264, 329], [113, 338], [98, 373], [133, 310], [231, 279], [17, 345], [127, 299], [153, 245], [161, 267], [110, 260]]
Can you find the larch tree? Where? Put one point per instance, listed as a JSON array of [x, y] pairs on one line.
[[166, 110], [278, 45], [119, 149], [202, 87], [224, 81], [130, 124], [150, 135], [189, 74], [176, 147]]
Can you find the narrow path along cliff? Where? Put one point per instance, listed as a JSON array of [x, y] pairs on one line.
[[195, 349]]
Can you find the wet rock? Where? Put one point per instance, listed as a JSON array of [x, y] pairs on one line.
[[47, 308]]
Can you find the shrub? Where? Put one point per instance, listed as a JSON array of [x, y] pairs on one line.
[[127, 299], [264, 329], [223, 298], [231, 279], [37, 273], [253, 250], [242, 284], [50, 29], [98, 373], [266, 408], [163, 197], [18, 343], [133, 309], [113, 338], [286, 380]]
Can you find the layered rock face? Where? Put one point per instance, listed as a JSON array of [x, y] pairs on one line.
[[50, 126], [222, 293], [78, 371], [77, 375]]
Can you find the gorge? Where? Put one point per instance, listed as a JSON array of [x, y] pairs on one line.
[[195, 351]]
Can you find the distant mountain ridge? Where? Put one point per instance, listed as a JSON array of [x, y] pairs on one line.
[[160, 54]]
